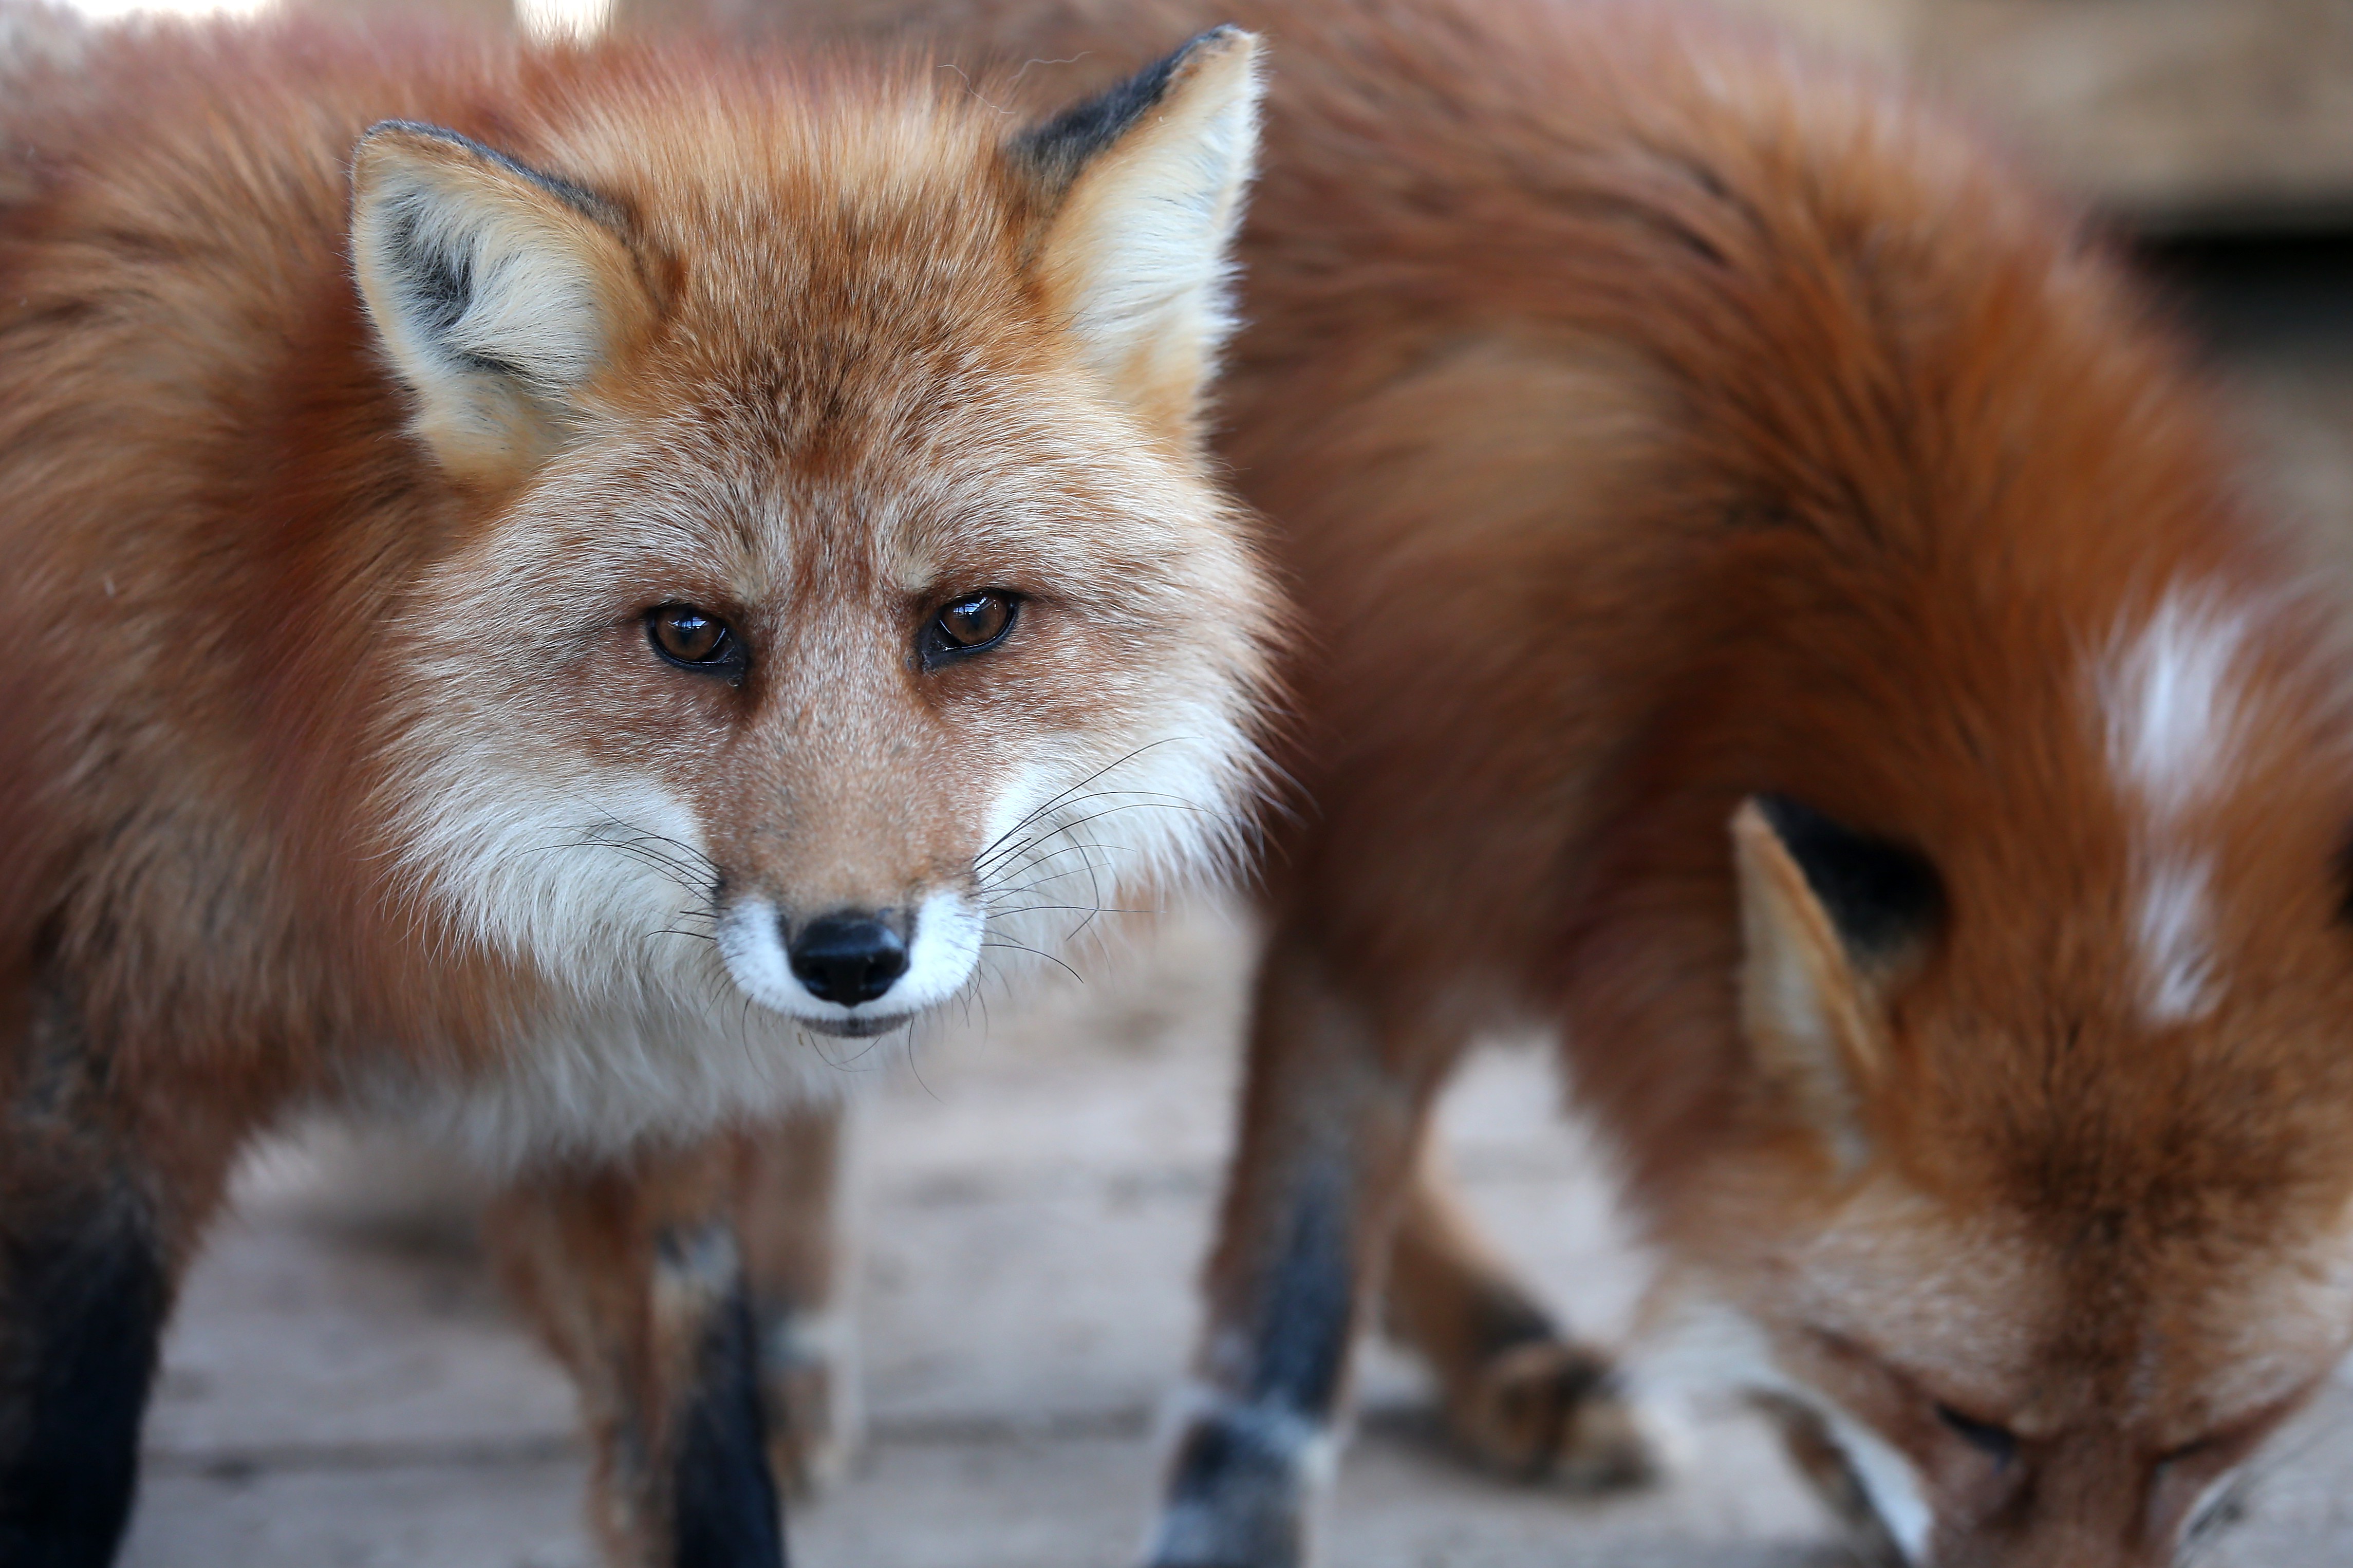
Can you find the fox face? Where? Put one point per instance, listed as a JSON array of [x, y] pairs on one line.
[[854, 603], [2043, 1229], [1970, 1391]]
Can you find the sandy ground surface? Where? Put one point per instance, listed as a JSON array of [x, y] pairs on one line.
[[342, 1387]]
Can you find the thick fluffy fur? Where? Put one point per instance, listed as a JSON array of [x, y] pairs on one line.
[[336, 764], [1659, 423]]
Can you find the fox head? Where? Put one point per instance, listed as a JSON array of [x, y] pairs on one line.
[[838, 585], [2043, 1222]]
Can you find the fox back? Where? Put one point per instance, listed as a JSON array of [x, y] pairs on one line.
[[660, 551]]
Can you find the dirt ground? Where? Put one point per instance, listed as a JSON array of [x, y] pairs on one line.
[[343, 1388]]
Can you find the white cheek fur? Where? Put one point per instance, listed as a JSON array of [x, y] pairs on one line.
[[599, 885], [579, 873]]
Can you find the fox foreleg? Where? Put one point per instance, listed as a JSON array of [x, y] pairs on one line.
[[83, 1293], [101, 1194], [633, 1275], [1331, 1119], [798, 1266]]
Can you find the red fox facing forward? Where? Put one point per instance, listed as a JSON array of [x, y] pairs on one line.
[[542, 582], [1779, 612]]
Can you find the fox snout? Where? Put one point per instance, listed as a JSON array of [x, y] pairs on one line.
[[852, 970], [851, 958]]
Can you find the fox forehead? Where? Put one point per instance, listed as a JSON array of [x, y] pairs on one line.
[[1935, 1292], [1025, 487], [2043, 1328], [771, 166], [832, 268]]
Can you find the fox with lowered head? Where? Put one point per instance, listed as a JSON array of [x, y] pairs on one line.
[[1780, 611], [542, 582]]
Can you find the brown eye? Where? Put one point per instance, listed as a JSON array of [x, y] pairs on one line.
[[968, 626], [686, 636]]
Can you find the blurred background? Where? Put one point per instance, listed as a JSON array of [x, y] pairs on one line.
[[343, 1386], [2182, 116]]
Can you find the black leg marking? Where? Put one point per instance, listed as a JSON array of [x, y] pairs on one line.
[[1237, 1495], [727, 1513], [1308, 1309], [1236, 1498], [85, 1314]]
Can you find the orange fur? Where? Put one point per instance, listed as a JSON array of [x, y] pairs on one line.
[[1656, 422]]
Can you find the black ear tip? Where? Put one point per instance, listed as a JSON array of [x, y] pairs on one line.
[[578, 198], [1879, 893], [417, 130], [1057, 149], [1792, 819]]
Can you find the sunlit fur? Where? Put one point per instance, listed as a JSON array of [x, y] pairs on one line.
[[1653, 419]]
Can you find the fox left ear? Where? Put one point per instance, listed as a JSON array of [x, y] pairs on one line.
[[1827, 917], [497, 292], [1137, 258]]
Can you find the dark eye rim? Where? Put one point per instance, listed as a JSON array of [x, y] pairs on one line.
[[937, 649], [727, 658], [1995, 1442]]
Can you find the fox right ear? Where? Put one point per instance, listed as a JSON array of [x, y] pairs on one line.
[[497, 292], [1826, 915], [1149, 179]]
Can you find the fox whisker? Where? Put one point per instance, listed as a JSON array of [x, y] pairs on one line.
[[1147, 801], [652, 858], [1072, 908], [1036, 953], [1055, 801], [1077, 848]]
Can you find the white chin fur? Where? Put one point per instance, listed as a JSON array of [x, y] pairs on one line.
[[941, 953]]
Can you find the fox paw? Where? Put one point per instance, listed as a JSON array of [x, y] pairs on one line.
[[1552, 1411], [815, 1415]]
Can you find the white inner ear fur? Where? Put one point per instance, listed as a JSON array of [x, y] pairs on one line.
[[1138, 260], [1801, 1004], [495, 296]]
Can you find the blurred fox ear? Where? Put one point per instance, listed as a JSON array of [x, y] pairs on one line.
[[1138, 256], [497, 292], [1827, 916]]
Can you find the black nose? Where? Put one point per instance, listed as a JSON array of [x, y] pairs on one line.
[[848, 959]]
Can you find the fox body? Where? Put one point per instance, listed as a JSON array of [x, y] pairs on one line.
[[1779, 613], [660, 555]]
